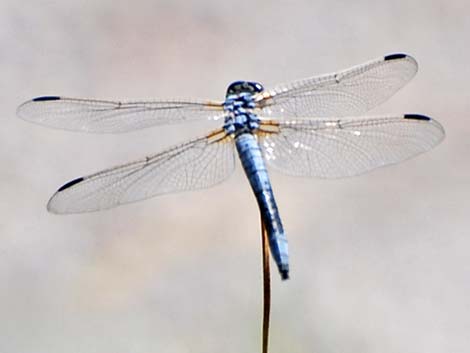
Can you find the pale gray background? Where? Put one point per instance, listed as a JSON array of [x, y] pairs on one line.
[[380, 262]]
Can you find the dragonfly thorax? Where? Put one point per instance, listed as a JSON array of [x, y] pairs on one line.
[[239, 104], [236, 124]]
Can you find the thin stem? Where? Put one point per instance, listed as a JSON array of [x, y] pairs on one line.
[[266, 287]]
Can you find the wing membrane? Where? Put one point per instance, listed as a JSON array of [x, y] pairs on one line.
[[197, 164], [346, 93], [113, 116], [332, 148]]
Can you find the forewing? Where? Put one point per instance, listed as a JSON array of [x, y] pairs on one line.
[[333, 148], [113, 116], [197, 164], [346, 93]]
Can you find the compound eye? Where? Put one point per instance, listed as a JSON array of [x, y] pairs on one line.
[[257, 87], [235, 88], [238, 87]]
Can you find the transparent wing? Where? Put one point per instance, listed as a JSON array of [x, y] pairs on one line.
[[197, 164], [330, 148], [113, 116], [346, 93]]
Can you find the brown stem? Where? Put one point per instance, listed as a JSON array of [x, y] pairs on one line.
[[266, 288]]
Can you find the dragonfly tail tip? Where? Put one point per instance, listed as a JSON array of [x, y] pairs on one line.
[[284, 274]]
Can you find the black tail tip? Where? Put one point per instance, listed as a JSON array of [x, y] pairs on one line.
[[284, 274]]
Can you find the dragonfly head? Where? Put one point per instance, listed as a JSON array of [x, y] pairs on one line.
[[237, 87]]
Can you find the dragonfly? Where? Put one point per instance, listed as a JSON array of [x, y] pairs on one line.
[[310, 127]]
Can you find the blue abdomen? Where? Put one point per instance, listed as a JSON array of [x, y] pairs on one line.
[[255, 169]]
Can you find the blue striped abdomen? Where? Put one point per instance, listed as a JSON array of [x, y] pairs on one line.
[[255, 169]]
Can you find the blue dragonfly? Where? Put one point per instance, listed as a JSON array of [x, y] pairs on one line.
[[309, 127]]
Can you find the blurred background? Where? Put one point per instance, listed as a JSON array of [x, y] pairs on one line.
[[380, 262]]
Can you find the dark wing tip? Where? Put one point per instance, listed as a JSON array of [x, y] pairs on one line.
[[70, 183], [416, 117], [46, 98], [395, 56]]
